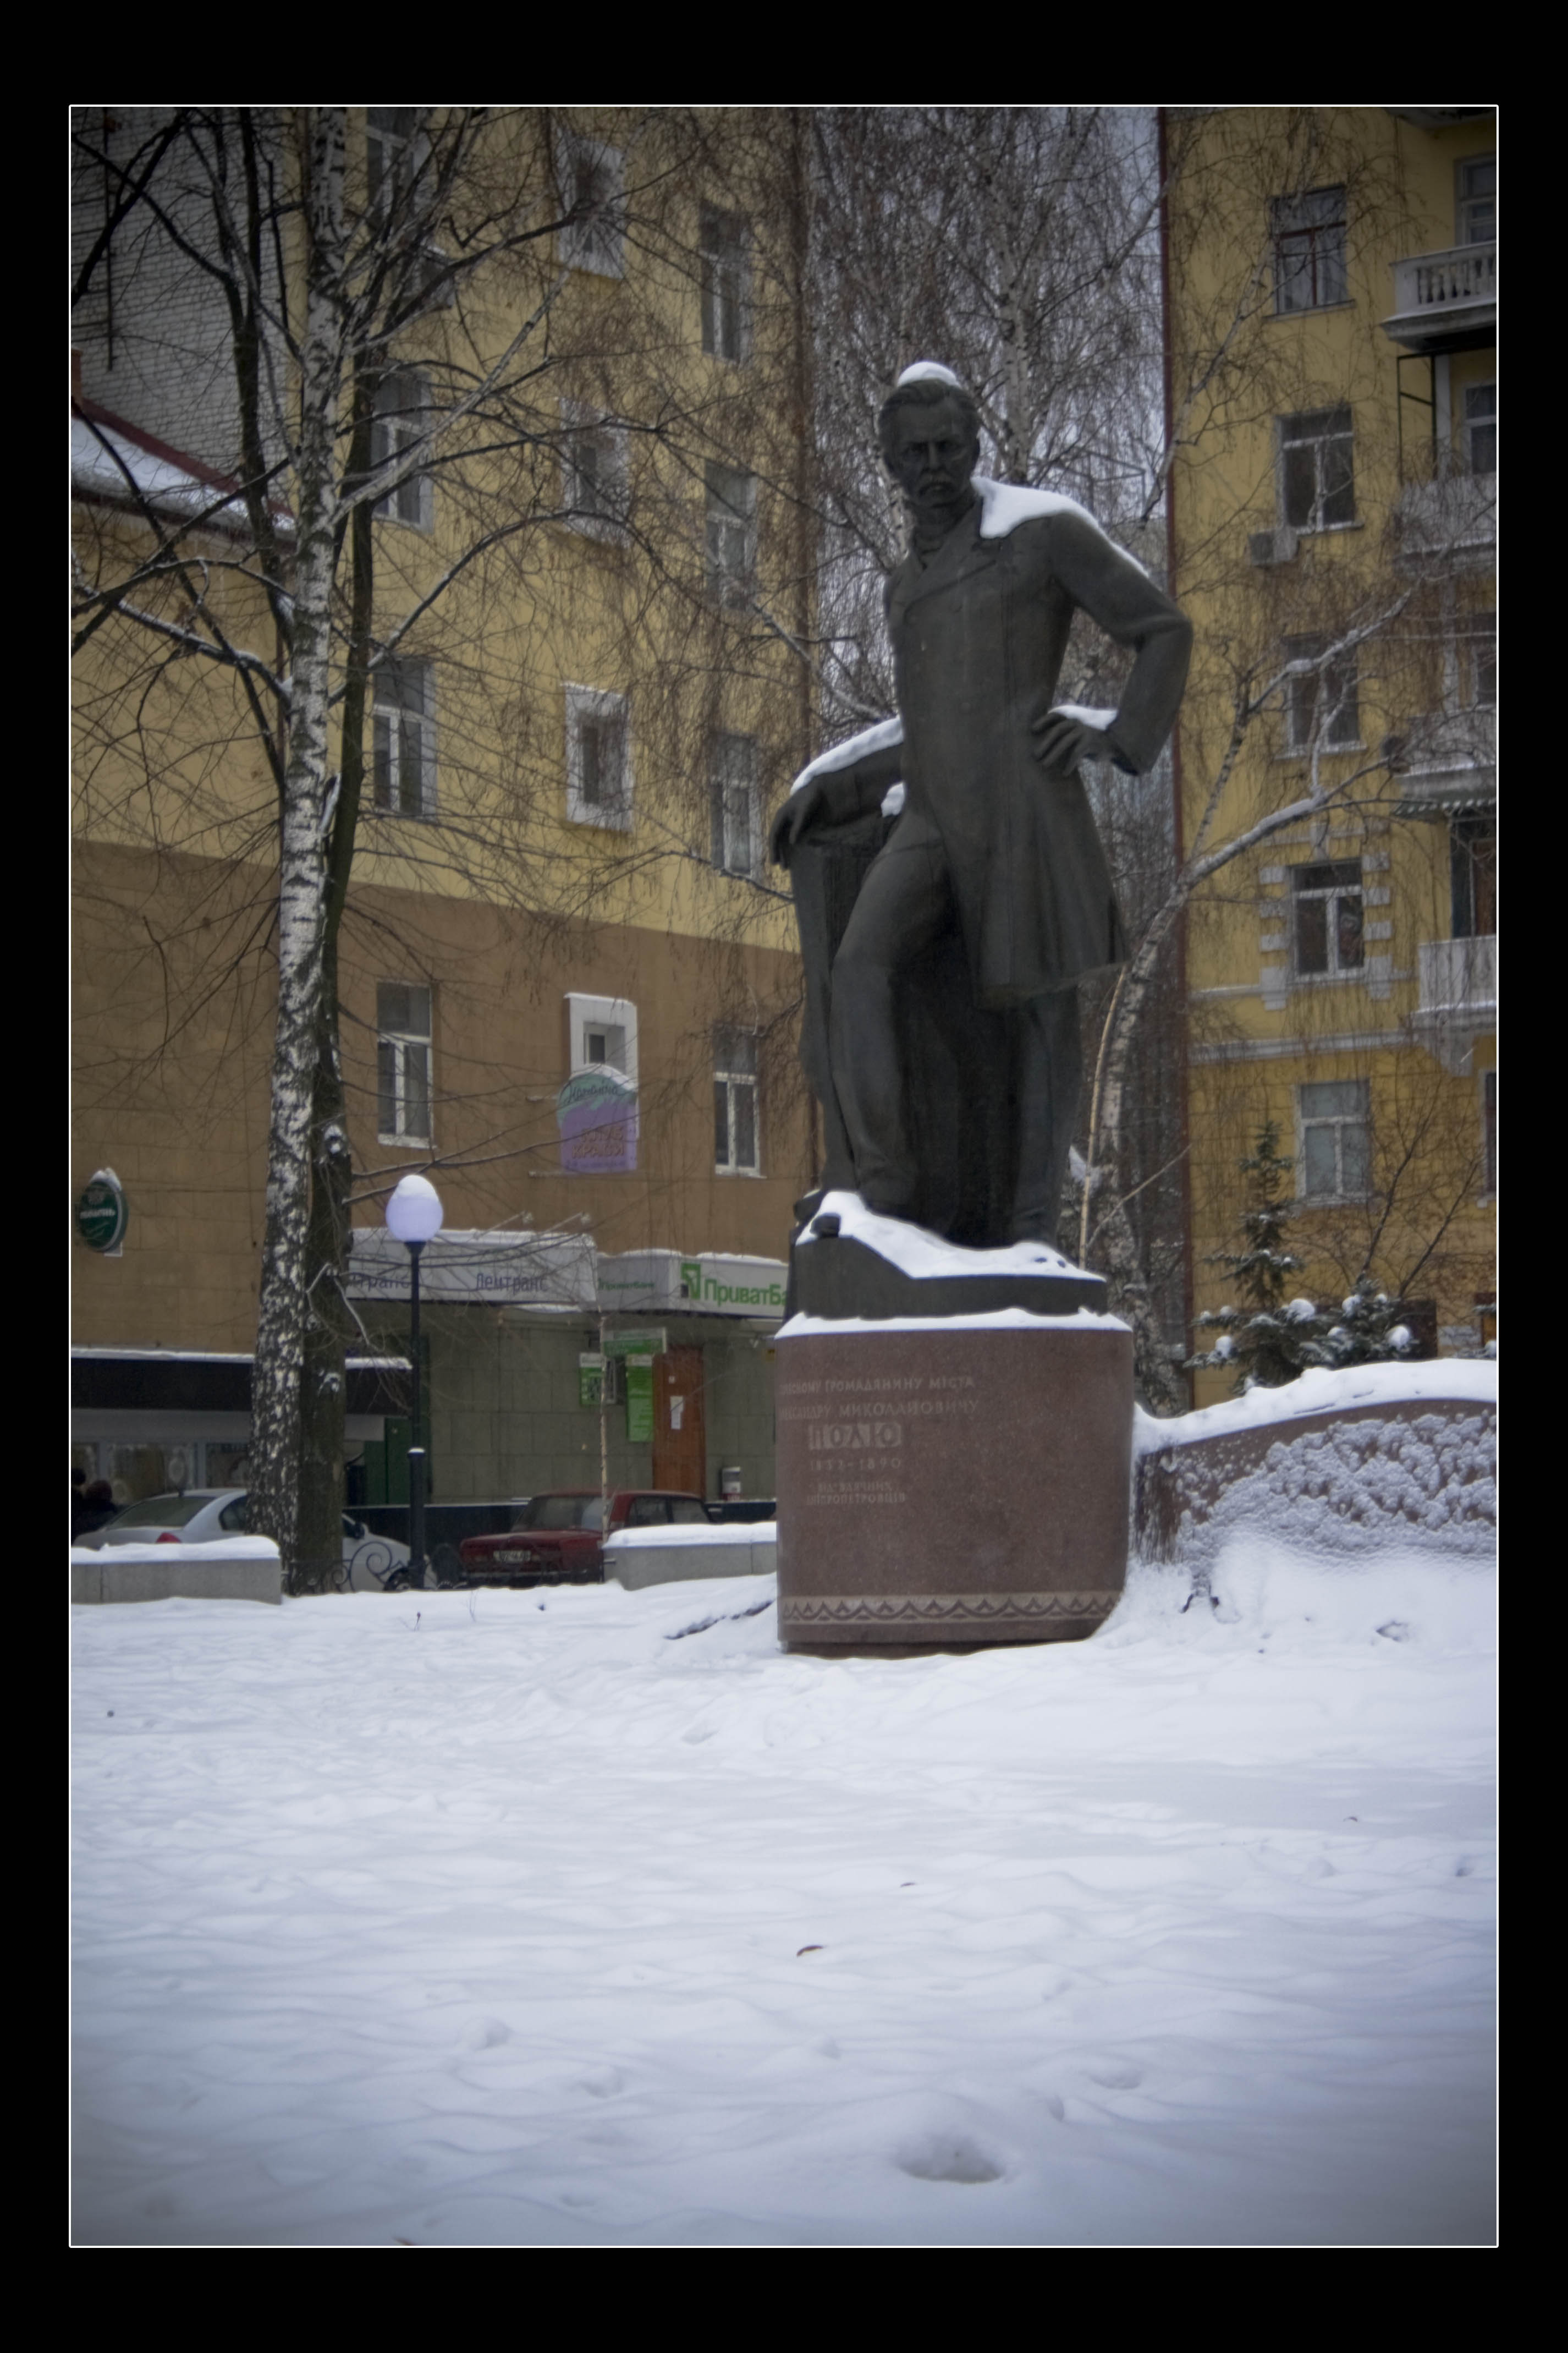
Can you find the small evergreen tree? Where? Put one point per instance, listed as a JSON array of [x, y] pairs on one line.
[[1272, 1339], [1257, 1341]]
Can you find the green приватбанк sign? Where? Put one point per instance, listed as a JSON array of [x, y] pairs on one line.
[[639, 1399], [102, 1211], [635, 1343]]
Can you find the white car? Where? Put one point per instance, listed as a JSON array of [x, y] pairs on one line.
[[372, 1564]]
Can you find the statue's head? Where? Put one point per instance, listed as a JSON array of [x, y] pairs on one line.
[[930, 431]]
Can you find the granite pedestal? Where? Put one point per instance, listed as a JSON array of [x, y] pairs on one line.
[[949, 1481]]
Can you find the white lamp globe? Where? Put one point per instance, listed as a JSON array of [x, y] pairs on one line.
[[413, 1212]]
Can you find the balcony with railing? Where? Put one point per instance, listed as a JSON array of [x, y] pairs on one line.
[[1442, 300], [1448, 761], [1458, 997], [1454, 517]]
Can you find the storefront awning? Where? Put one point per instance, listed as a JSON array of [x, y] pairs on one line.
[[474, 1267]]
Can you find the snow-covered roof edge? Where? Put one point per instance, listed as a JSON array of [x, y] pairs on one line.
[[106, 450]]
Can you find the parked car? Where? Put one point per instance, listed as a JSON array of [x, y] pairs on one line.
[[205, 1514], [740, 1510], [559, 1539]]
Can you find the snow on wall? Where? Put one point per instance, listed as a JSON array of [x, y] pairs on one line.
[[1352, 1484]]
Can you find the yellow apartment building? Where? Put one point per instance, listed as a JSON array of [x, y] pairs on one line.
[[568, 988], [1332, 391]]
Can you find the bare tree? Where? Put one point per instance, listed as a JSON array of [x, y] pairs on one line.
[[342, 328]]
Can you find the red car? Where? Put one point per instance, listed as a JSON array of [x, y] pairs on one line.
[[558, 1539]]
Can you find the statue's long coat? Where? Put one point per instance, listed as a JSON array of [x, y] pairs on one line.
[[978, 635]]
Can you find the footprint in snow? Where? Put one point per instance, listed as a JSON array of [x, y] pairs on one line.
[[947, 2156], [486, 2034]]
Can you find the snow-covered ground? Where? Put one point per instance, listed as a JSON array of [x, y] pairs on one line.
[[587, 1918]]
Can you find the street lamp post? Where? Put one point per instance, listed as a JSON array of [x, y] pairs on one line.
[[413, 1216]]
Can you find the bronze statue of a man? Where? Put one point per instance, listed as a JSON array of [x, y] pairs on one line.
[[995, 850]]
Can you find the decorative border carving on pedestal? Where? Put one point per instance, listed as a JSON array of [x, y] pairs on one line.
[[812, 1612]]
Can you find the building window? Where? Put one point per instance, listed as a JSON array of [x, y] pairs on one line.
[[1480, 428], [1475, 205], [725, 246], [594, 474], [602, 1034], [1326, 913], [736, 1151], [598, 758], [731, 533], [403, 756], [593, 237], [1309, 250], [1472, 868], [1317, 470], [1489, 1145], [394, 152], [1322, 705], [403, 1062], [1479, 648], [733, 805], [1334, 1139], [401, 418]]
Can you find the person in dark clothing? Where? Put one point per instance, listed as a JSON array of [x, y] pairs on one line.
[[92, 1504]]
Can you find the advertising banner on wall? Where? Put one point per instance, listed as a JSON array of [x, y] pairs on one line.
[[492, 1269], [639, 1399], [596, 1111]]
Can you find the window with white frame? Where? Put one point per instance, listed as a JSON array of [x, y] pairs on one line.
[[1480, 428], [598, 757], [602, 1034], [724, 243], [733, 805], [593, 472], [403, 1062], [1334, 1140], [403, 758], [1321, 704], [736, 1139], [1317, 469], [1326, 917], [592, 188], [732, 531], [401, 418], [1309, 250], [1475, 200]]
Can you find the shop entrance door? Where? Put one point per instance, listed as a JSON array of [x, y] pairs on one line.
[[679, 1433]]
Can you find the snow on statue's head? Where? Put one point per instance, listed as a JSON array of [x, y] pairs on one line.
[[921, 386]]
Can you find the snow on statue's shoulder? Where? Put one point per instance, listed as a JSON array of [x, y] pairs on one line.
[[1004, 505]]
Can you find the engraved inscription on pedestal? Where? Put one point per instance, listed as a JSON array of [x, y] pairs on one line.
[[957, 1485]]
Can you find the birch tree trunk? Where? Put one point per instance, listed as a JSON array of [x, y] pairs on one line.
[[284, 1306]]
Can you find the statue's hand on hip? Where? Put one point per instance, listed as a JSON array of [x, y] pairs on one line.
[[1061, 742], [800, 812]]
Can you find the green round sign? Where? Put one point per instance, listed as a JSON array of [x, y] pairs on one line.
[[102, 1214]]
